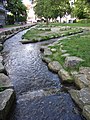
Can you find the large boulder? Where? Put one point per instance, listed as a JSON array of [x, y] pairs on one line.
[[64, 75], [46, 59], [84, 70], [1, 68], [54, 66], [82, 97], [86, 112], [81, 81], [73, 73], [72, 61], [7, 98], [5, 82], [47, 52]]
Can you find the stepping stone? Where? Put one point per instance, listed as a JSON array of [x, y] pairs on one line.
[[54, 66], [7, 98], [5, 82]]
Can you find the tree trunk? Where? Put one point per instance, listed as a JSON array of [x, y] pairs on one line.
[[60, 19], [47, 22]]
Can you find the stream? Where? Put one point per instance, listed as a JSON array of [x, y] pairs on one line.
[[38, 95]]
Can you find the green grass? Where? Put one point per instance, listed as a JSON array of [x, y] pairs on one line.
[[57, 55], [79, 46], [67, 24], [73, 24], [76, 46], [34, 34], [41, 33], [8, 26]]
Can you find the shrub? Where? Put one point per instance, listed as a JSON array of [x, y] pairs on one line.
[[84, 21], [10, 19], [22, 18]]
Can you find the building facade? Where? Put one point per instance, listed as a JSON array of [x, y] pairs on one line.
[[2, 13], [30, 10]]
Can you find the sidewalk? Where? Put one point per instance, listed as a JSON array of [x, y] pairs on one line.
[[10, 28]]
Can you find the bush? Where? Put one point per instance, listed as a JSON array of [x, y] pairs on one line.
[[10, 20], [22, 19], [84, 21]]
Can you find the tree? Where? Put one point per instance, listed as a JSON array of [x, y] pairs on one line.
[[43, 9], [81, 9], [17, 8], [52, 8], [61, 7]]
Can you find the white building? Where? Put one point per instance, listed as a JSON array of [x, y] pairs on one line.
[[71, 2], [30, 10]]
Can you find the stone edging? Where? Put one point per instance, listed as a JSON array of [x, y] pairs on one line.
[[7, 93], [26, 41], [4, 35], [81, 79]]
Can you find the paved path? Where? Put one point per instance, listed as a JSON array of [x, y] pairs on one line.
[[9, 28]]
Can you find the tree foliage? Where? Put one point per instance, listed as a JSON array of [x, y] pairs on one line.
[[17, 8], [82, 9], [52, 8], [61, 7]]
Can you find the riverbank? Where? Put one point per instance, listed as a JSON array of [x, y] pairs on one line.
[[7, 33], [70, 59]]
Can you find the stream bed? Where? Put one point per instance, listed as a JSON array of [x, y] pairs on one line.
[[38, 95]]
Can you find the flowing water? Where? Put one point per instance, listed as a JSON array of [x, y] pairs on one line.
[[38, 95]]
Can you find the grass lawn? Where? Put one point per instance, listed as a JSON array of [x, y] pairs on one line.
[[41, 33], [73, 24], [76, 46], [67, 24], [8, 26]]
